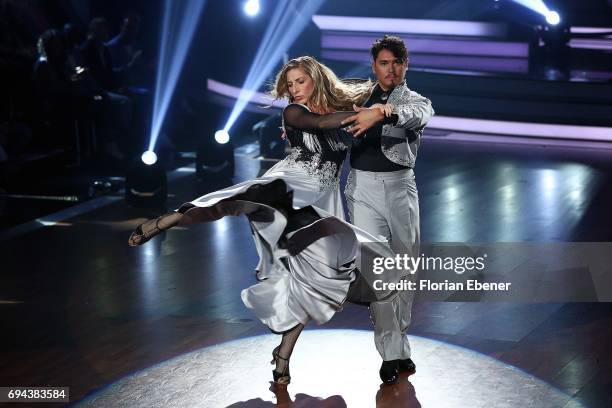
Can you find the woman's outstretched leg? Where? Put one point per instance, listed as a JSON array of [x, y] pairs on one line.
[[282, 354]]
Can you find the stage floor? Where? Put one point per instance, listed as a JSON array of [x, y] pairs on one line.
[[164, 323]]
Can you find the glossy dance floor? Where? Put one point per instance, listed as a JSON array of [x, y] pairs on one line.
[[331, 368], [163, 324]]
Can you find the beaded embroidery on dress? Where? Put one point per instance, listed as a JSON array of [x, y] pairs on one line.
[[321, 153]]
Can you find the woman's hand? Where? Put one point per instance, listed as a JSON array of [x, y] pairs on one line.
[[386, 109]]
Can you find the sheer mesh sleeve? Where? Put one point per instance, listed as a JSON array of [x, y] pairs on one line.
[[299, 117]]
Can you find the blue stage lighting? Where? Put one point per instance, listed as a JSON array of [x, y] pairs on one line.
[[180, 19], [251, 7], [149, 157], [289, 19], [222, 136], [553, 18]]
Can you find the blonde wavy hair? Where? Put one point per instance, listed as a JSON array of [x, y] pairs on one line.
[[329, 92]]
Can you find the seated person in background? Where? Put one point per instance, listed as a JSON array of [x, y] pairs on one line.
[[56, 99], [97, 56], [98, 61], [74, 38], [63, 97], [124, 50], [129, 68]]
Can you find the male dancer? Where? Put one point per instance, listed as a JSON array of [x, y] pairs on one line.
[[381, 190]]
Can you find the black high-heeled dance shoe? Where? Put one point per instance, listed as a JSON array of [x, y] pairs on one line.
[[282, 378], [139, 237]]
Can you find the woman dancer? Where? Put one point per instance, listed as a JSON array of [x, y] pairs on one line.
[[306, 252]]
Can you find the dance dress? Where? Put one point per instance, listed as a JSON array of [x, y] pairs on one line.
[[308, 253]]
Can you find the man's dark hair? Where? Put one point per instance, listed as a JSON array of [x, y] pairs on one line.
[[392, 43]]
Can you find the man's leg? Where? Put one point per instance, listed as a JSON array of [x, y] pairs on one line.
[[392, 317], [403, 218], [365, 196], [403, 214]]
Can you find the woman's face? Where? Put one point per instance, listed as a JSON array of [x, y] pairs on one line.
[[300, 85]]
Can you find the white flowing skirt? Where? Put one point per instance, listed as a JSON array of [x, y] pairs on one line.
[[310, 285]]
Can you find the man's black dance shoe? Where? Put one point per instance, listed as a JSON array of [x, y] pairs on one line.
[[389, 372], [406, 366]]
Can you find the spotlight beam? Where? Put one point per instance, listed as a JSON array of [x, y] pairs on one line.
[[536, 5], [552, 17], [178, 26], [288, 21]]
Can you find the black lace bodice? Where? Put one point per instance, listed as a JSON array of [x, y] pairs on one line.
[[318, 144]]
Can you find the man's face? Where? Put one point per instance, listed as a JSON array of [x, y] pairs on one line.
[[389, 70]]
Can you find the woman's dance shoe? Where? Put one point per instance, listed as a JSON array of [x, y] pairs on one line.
[[281, 378], [145, 231]]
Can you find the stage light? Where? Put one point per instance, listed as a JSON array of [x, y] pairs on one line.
[[287, 22], [146, 184], [215, 159], [251, 7], [553, 18], [222, 136], [149, 157], [180, 19]]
